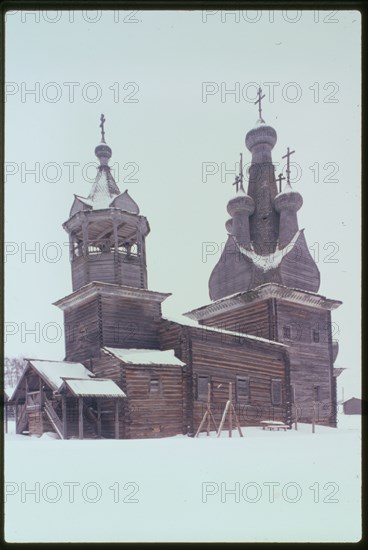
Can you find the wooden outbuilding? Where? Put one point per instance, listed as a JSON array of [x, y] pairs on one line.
[[352, 406]]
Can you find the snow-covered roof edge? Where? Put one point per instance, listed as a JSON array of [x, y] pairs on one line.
[[189, 323]]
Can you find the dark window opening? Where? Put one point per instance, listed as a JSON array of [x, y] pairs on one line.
[[154, 385], [276, 395], [315, 335], [287, 332], [316, 393], [242, 388], [202, 387]]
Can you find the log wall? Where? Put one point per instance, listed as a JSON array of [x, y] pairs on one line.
[[222, 358], [310, 362]]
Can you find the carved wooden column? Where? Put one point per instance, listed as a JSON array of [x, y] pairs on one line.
[[63, 406], [80, 423], [85, 248], [116, 248], [116, 418], [99, 418]]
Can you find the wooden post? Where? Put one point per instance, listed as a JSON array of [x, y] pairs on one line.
[[41, 392], [296, 416], [223, 419], [207, 415], [80, 400], [71, 246], [6, 416], [313, 419], [116, 248], [63, 406], [230, 410], [85, 236], [99, 418], [208, 408], [116, 418]]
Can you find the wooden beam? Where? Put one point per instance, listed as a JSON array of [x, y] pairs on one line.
[[116, 418], [230, 410], [63, 406], [85, 237], [41, 392], [80, 399], [99, 418]]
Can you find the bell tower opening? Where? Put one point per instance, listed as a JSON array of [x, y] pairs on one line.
[[106, 231]]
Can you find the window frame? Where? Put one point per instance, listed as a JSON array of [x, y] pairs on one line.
[[275, 381], [242, 398], [154, 378], [202, 396]]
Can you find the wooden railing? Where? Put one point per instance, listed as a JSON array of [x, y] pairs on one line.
[[53, 417], [21, 419]]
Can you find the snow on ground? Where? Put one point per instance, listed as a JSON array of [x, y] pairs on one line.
[[267, 486]]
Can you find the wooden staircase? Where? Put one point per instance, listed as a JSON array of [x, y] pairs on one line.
[[21, 420], [53, 417]]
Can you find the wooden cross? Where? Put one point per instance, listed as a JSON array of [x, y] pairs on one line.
[[103, 120], [287, 156], [259, 100], [241, 176], [239, 179], [279, 180], [236, 183]]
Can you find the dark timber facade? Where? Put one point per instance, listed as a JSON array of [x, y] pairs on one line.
[[129, 372]]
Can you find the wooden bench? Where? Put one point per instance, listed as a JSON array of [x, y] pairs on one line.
[[273, 425]]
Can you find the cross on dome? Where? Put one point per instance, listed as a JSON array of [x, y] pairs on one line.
[[259, 101], [103, 120], [287, 157]]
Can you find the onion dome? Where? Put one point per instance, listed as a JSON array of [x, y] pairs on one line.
[[229, 225], [288, 199], [103, 152], [241, 202], [261, 134]]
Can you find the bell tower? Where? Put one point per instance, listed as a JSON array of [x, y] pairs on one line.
[[106, 231], [110, 304]]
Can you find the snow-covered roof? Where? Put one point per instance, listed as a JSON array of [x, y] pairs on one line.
[[135, 356], [94, 387], [272, 260], [186, 321], [53, 372]]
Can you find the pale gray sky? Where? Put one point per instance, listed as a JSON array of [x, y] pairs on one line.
[[146, 72]]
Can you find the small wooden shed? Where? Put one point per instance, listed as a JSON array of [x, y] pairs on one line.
[[352, 406], [65, 398]]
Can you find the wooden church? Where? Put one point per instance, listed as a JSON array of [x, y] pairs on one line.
[[129, 372]]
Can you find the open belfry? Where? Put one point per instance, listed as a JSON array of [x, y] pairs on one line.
[[261, 348]]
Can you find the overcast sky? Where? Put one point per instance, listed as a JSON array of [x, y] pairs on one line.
[[177, 91]]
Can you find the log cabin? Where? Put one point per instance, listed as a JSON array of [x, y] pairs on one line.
[[130, 372]]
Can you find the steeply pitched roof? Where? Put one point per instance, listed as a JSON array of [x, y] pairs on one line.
[[135, 356], [53, 372], [95, 387]]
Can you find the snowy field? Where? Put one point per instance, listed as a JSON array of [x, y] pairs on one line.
[[267, 486]]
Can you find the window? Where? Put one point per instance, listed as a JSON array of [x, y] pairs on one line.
[[316, 393], [154, 385], [292, 393], [202, 387], [276, 395], [242, 388], [315, 335], [287, 332]]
